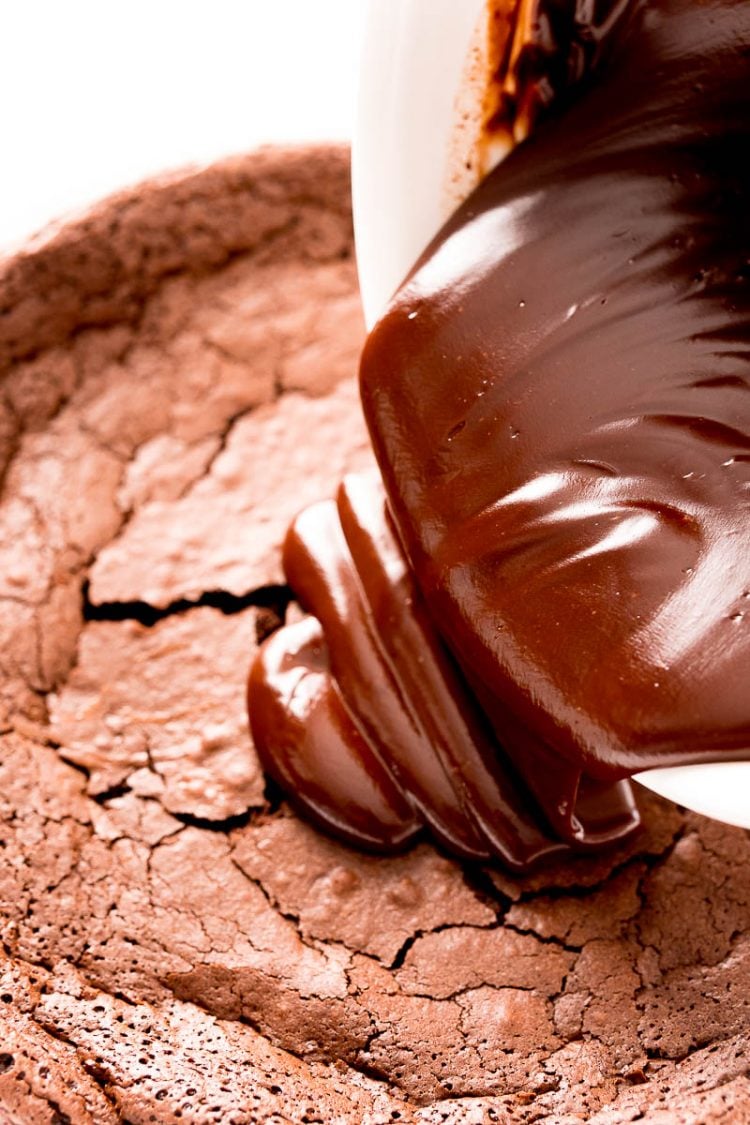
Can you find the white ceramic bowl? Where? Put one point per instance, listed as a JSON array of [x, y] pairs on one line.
[[418, 120]]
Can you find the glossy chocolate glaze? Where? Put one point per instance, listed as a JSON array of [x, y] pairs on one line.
[[558, 400], [361, 714]]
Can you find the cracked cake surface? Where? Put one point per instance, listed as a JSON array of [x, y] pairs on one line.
[[176, 381]]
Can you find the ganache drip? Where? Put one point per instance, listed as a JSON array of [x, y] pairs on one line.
[[374, 731], [558, 402]]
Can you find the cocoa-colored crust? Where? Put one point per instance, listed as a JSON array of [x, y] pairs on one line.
[[174, 948]]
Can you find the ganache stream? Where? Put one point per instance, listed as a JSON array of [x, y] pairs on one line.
[[550, 590]]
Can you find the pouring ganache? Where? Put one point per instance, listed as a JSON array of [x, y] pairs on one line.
[[550, 589]]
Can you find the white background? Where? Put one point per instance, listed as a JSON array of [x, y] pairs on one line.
[[97, 94]]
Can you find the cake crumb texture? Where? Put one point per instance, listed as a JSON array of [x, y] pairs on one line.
[[176, 382]]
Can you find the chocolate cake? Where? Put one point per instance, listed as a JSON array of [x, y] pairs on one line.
[[177, 946]]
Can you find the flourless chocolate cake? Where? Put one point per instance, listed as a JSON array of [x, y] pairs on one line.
[[177, 381]]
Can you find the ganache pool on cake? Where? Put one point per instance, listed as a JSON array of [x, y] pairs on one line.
[[550, 590]]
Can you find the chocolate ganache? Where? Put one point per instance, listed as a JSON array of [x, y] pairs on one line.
[[558, 401]]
